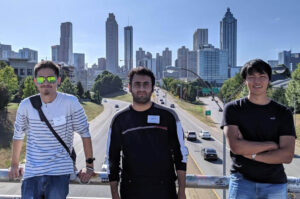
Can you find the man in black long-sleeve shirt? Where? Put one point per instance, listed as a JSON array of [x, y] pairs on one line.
[[150, 138]]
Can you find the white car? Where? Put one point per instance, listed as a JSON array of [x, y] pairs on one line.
[[204, 134], [104, 167], [191, 136]]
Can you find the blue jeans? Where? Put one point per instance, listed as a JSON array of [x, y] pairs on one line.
[[240, 188], [46, 187]]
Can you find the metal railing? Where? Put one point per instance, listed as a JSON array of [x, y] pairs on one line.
[[192, 181]]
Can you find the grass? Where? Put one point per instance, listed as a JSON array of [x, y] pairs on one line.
[[196, 110], [92, 110], [123, 96]]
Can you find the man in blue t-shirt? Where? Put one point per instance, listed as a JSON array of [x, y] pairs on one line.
[[261, 136]]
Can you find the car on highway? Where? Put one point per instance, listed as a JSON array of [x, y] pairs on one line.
[[116, 105], [209, 153], [104, 167], [104, 100], [191, 136], [172, 106], [162, 102], [204, 134]]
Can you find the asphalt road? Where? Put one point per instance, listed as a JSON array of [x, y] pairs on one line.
[[99, 128]]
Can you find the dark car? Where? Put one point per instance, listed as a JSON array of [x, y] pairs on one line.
[[172, 106], [116, 106], [209, 154]]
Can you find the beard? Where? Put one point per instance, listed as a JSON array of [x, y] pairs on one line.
[[144, 99], [45, 90]]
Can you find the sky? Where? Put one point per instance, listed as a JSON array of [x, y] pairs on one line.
[[264, 27]]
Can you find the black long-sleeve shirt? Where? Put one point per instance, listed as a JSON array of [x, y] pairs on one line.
[[151, 142]]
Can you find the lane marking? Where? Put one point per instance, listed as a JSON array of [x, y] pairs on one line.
[[217, 195]]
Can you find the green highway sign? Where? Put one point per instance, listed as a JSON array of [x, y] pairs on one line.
[[208, 112]]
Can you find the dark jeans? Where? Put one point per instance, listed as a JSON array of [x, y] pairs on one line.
[[46, 187], [148, 189]]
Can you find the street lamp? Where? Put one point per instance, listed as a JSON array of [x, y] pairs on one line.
[[221, 110]]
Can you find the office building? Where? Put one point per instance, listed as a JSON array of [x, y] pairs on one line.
[[228, 38], [112, 48]]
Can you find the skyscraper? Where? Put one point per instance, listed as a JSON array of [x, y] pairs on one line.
[[228, 38], [79, 61], [102, 63], [159, 68], [200, 38], [112, 48], [128, 47], [182, 60], [166, 58], [66, 43], [139, 56], [55, 53], [212, 64], [192, 64]]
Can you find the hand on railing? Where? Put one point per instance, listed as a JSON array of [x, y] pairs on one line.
[[15, 172], [85, 175]]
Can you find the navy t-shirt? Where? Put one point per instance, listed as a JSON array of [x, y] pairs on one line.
[[259, 123]]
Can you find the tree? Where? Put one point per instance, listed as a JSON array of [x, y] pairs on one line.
[[97, 98], [87, 95], [9, 78], [292, 92], [80, 90], [4, 99], [278, 94], [107, 83], [231, 88], [67, 87], [2, 64], [29, 87]]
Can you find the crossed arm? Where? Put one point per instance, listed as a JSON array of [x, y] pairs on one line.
[[267, 152]]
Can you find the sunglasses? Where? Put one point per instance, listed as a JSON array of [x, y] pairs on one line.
[[50, 79]]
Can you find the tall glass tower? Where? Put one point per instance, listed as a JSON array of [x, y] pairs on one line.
[[228, 38], [66, 43], [112, 49], [128, 47]]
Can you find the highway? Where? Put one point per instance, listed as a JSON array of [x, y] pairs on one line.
[[99, 128]]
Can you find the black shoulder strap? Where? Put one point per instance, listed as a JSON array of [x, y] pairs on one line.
[[37, 104]]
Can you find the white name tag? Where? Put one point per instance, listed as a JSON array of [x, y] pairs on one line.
[[153, 119], [59, 120]]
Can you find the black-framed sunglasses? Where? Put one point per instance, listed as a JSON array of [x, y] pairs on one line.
[[42, 79]]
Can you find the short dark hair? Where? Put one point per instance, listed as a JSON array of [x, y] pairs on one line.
[[256, 65], [46, 64], [141, 71]]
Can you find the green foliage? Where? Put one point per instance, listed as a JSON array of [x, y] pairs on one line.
[[67, 87], [107, 83], [292, 92], [9, 78], [4, 99], [97, 97], [80, 90], [278, 95], [29, 87], [2, 64], [189, 89], [87, 95], [232, 88]]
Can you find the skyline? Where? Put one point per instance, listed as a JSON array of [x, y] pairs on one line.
[[263, 29]]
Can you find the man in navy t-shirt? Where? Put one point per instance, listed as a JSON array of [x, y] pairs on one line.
[[261, 136]]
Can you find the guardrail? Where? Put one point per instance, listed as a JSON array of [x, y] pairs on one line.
[[192, 181]]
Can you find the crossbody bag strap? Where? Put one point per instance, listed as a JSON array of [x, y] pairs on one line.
[[37, 104]]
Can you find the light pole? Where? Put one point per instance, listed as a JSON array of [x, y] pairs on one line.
[[221, 110]]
